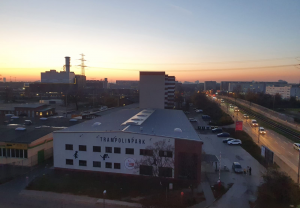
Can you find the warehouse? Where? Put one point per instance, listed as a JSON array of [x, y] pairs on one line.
[[151, 142]]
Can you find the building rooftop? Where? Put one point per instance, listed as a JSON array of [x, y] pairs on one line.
[[12, 106], [160, 122], [36, 130]]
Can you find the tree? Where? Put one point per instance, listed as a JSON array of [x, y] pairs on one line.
[[156, 159], [278, 190]]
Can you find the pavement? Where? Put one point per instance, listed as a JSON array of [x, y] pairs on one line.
[[285, 155], [244, 186]]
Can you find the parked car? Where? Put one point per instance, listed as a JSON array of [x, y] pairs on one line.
[[186, 112], [227, 140], [237, 168], [234, 142], [223, 134], [193, 120], [246, 116], [262, 130], [217, 130], [27, 122], [198, 111], [296, 146], [205, 117]]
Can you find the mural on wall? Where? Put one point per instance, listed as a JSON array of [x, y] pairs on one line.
[[156, 157]]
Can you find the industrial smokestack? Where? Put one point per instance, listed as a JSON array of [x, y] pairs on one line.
[[67, 64]]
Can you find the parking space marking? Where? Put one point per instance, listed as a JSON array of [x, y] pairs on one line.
[[282, 147], [290, 153]]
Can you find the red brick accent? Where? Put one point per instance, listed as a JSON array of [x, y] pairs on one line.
[[190, 147]]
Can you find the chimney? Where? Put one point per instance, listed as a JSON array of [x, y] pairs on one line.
[[67, 64]]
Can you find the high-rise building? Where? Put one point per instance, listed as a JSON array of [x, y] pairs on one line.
[[157, 90], [4, 79], [284, 92], [210, 85]]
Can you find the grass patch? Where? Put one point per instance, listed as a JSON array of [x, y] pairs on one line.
[[118, 187]]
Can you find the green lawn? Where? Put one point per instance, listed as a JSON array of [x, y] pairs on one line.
[[118, 187]]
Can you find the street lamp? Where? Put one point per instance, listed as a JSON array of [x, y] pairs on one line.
[[104, 192]]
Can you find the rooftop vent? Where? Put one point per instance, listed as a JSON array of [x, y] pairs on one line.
[[96, 124], [177, 130]]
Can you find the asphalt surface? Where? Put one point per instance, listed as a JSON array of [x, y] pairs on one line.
[[280, 145]]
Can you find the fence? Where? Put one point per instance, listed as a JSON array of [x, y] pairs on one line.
[[16, 168]]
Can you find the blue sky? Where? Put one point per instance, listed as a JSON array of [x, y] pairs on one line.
[[152, 35]]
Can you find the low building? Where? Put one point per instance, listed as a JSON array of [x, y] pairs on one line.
[[26, 142], [284, 92], [150, 142], [29, 110]]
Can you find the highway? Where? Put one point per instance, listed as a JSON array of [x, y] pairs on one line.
[[280, 145]]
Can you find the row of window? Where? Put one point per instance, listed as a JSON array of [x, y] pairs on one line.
[[96, 164], [16, 153], [162, 171], [117, 150]]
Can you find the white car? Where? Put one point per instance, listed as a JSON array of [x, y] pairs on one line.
[[296, 146], [199, 111], [262, 130], [193, 120], [234, 141]]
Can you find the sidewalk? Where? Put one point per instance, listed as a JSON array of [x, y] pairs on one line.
[[75, 198]]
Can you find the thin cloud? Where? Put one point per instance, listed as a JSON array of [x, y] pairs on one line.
[[181, 10]]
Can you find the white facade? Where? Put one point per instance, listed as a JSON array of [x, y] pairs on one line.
[[128, 163], [285, 91]]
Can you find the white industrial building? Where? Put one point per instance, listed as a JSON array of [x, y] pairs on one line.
[[153, 142], [284, 91], [53, 76]]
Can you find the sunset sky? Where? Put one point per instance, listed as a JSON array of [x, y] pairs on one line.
[[221, 40]]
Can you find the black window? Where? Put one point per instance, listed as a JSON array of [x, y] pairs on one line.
[[96, 149], [108, 165], [117, 165], [13, 153], [108, 149], [4, 152], [165, 153], [0, 151], [82, 162], [17, 153], [69, 146], [97, 164], [130, 151], [69, 162], [146, 152], [25, 153], [146, 170], [165, 172], [8, 152], [82, 147], [117, 150], [21, 153]]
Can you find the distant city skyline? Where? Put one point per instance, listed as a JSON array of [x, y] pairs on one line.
[[193, 40]]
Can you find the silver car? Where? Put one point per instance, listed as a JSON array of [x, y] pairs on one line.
[[237, 168]]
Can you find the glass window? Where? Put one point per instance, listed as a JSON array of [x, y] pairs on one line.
[[117, 165], [13, 153], [96, 149], [8, 152], [82, 147], [146, 170], [21, 153], [146, 152], [108, 165], [165, 153], [69, 161], [0, 152], [108, 149], [25, 153], [17, 153], [82, 162], [130, 151], [69, 146], [117, 150], [4, 152], [165, 172], [96, 164]]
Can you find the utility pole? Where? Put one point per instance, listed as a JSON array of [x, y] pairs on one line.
[[82, 64]]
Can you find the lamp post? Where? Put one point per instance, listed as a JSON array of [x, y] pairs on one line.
[[104, 192]]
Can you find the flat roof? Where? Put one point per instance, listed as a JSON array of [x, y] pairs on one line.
[[36, 130], [162, 122], [12, 106]]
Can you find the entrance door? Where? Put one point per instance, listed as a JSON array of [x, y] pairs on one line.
[[40, 156]]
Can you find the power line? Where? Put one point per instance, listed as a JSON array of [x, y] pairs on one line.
[[220, 62], [201, 70]]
